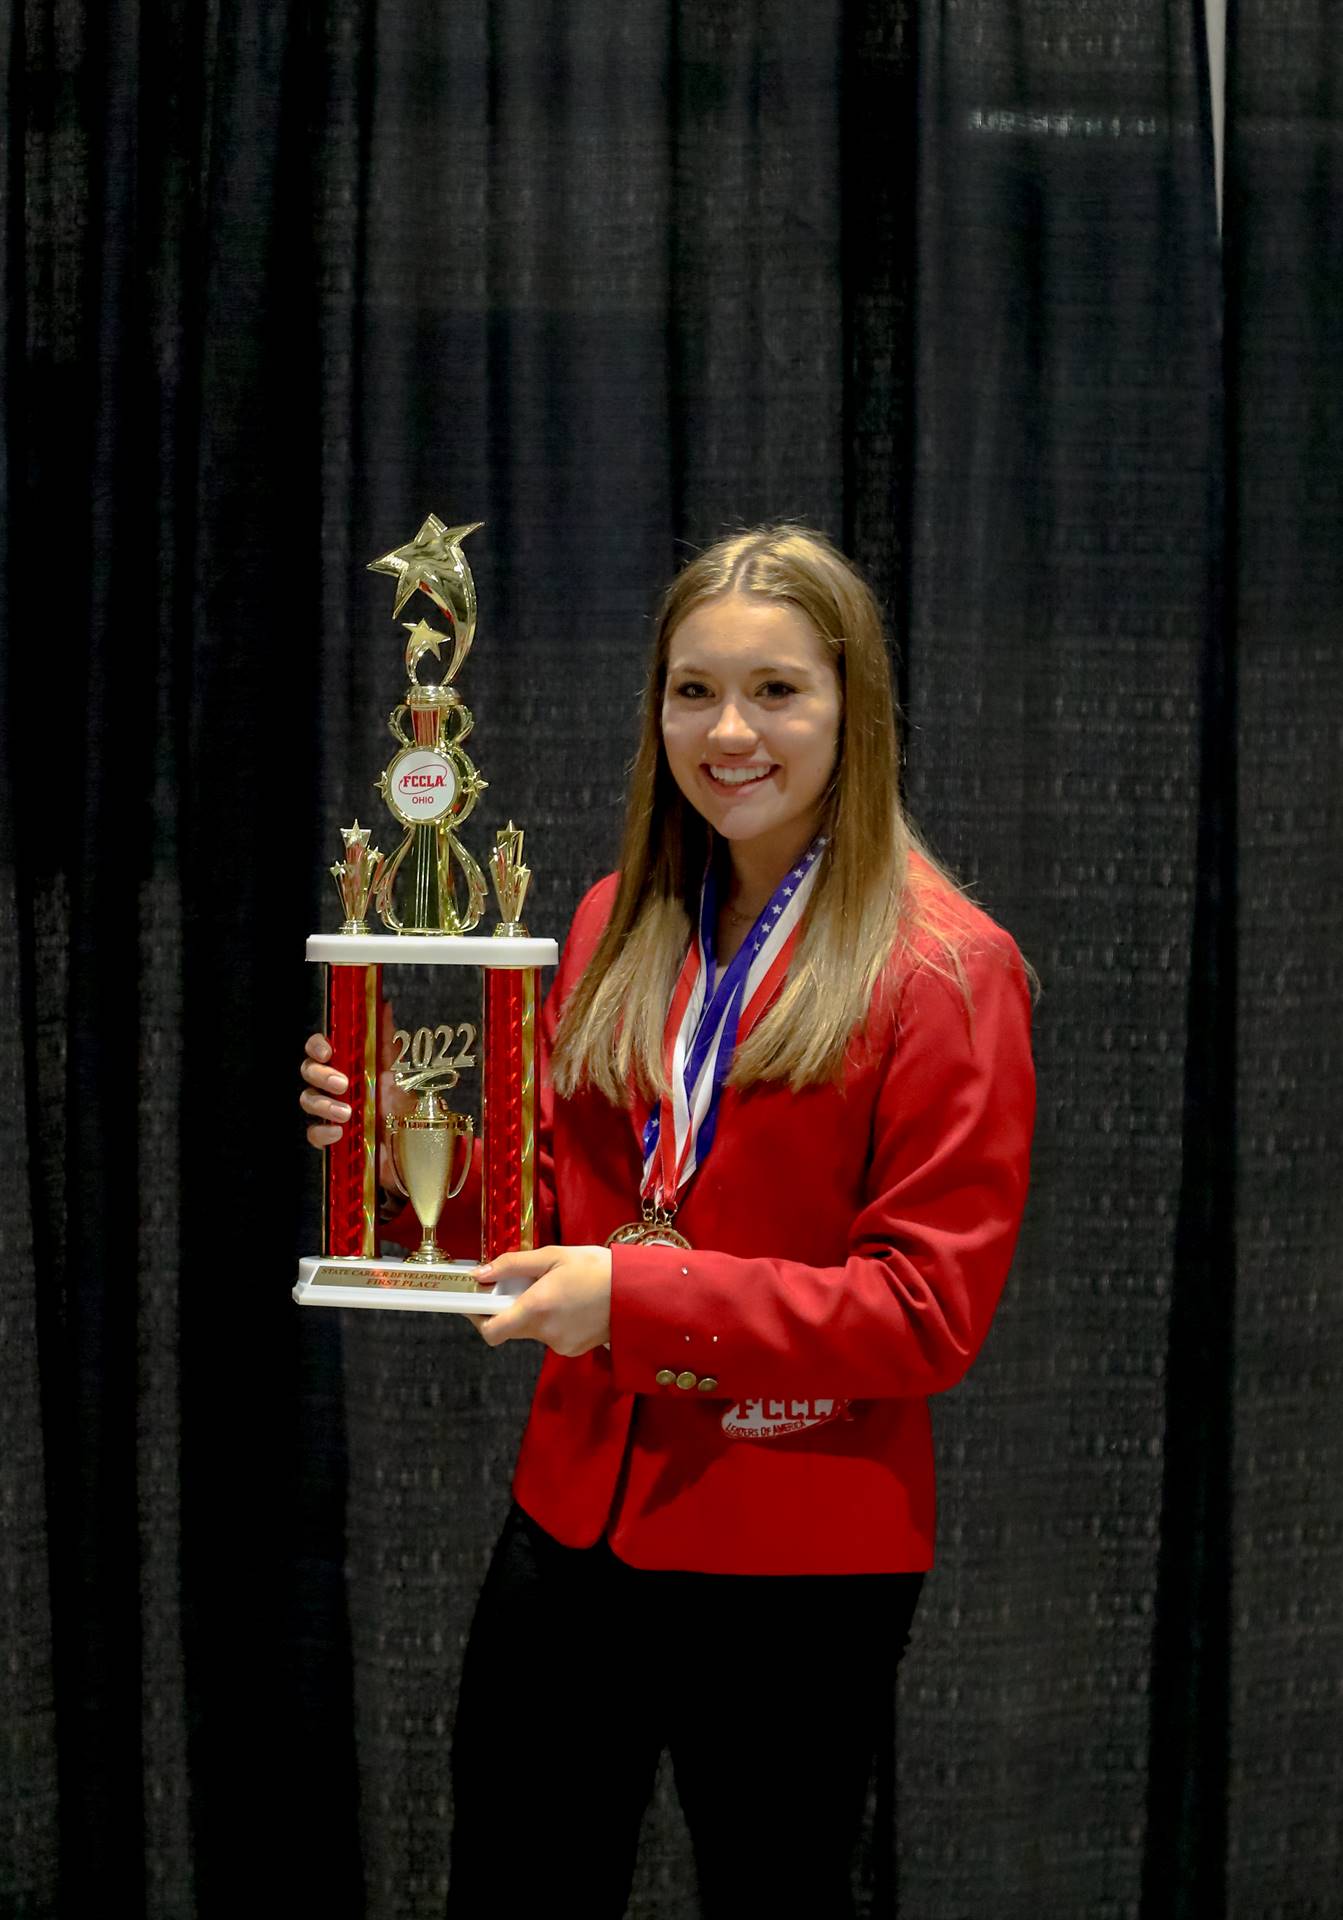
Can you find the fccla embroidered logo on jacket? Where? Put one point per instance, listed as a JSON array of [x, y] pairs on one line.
[[768, 1419]]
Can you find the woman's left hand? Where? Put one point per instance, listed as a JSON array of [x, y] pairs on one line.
[[567, 1307]]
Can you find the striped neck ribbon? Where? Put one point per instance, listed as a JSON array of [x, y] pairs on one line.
[[711, 1010]]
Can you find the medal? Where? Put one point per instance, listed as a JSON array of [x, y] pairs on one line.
[[630, 1235], [654, 1230]]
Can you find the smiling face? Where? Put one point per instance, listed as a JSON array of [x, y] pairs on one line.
[[750, 724]]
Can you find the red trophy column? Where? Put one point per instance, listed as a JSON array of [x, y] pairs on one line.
[[510, 1109], [354, 995]]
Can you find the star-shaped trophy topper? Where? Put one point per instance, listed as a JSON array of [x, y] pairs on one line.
[[434, 561], [426, 639]]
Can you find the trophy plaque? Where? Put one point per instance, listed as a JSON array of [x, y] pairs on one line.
[[453, 1048]]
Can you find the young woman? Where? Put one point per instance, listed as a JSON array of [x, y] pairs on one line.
[[788, 1124]]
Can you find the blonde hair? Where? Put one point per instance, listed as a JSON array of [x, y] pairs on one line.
[[868, 901]]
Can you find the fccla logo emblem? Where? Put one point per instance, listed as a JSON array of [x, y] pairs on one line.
[[421, 784], [769, 1419]]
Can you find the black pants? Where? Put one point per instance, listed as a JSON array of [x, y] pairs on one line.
[[771, 1693]]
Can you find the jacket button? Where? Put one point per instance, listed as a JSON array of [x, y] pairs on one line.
[[687, 1380], [707, 1384], [665, 1377]]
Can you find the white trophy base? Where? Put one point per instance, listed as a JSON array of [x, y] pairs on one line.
[[398, 1283]]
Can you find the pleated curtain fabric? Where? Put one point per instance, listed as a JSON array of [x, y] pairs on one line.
[[943, 281], [1064, 472], [1284, 279]]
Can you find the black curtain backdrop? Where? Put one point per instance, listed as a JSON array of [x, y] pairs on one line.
[[1284, 1441], [945, 281]]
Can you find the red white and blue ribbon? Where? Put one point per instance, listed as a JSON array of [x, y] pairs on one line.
[[711, 1010]]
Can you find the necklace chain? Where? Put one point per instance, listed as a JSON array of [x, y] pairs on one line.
[[747, 919]]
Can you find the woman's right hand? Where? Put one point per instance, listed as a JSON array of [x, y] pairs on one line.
[[326, 1096], [323, 1098]]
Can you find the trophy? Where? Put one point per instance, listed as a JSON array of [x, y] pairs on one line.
[[476, 995], [426, 1145]]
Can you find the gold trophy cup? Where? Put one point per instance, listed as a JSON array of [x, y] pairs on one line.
[[431, 1151]]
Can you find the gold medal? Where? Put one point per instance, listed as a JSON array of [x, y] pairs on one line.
[[630, 1235], [665, 1237], [654, 1230]]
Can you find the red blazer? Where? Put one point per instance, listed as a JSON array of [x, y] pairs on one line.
[[850, 1244]]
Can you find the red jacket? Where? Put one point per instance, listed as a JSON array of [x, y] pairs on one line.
[[849, 1246]]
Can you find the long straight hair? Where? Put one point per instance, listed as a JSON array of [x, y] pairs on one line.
[[868, 903]]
